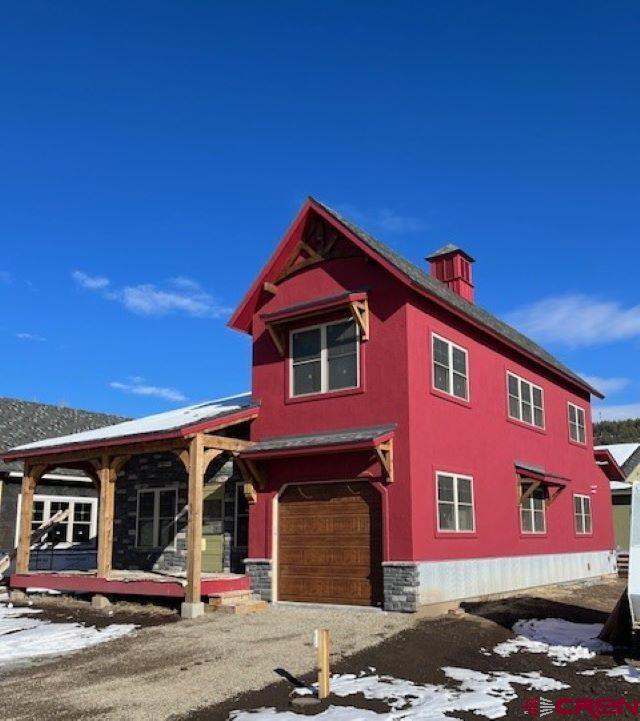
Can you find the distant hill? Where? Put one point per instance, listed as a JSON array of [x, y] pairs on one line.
[[606, 432]]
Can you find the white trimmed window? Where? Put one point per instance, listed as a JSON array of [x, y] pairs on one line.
[[577, 427], [526, 401], [533, 512], [156, 517], [582, 511], [455, 503], [450, 368], [324, 358], [80, 526]]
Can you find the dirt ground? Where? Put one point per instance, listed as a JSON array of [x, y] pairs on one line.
[[202, 670]]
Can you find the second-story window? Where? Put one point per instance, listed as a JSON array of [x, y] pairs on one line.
[[526, 401], [577, 428], [450, 368], [325, 358]]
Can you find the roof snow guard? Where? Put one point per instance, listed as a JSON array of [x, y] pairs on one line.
[[408, 273], [172, 424]]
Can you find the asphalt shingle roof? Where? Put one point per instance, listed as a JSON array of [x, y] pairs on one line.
[[435, 287], [25, 421], [324, 438]]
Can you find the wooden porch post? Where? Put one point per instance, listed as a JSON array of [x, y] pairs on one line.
[[193, 605], [105, 524], [29, 481]]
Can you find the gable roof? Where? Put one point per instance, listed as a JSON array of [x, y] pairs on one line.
[[413, 276], [169, 424], [627, 455], [26, 421]]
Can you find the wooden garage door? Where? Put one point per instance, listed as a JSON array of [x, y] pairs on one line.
[[330, 544]]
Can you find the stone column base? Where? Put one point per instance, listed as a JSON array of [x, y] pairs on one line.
[[401, 586], [259, 572]]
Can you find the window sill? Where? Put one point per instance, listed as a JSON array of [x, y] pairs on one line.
[[532, 534], [529, 427], [453, 399], [577, 443], [583, 535], [323, 396], [456, 534]]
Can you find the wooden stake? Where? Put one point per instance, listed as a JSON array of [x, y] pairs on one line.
[[322, 645], [194, 523]]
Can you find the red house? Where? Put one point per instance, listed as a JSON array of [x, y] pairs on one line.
[[401, 446], [410, 447]]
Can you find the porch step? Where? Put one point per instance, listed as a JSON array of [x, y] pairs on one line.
[[236, 602]]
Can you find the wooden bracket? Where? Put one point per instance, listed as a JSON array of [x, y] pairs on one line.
[[270, 287], [360, 312], [253, 479], [384, 451], [119, 462], [552, 498], [183, 457], [209, 456], [276, 337], [530, 490], [309, 257]]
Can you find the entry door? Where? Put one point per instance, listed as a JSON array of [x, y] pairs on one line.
[[330, 544], [213, 528]]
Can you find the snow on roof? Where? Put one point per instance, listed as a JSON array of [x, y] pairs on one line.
[[620, 451], [620, 485], [160, 422]]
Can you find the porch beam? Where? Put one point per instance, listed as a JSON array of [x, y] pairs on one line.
[[270, 287], [30, 478], [250, 481], [105, 521], [133, 449], [193, 593], [209, 456], [224, 443]]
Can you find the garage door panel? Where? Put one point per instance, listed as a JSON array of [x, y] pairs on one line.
[[330, 544]]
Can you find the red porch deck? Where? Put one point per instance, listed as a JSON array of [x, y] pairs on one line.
[[127, 583]]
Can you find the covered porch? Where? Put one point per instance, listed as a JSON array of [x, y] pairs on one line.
[[158, 540]]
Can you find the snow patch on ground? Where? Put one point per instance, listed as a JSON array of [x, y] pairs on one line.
[[486, 694], [23, 636], [629, 673], [563, 641]]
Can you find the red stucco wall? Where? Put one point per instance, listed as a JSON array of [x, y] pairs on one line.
[[433, 433]]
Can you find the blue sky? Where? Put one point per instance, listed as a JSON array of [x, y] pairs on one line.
[[152, 154]]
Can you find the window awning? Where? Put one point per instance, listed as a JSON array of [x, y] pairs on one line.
[[536, 477], [376, 438], [356, 303]]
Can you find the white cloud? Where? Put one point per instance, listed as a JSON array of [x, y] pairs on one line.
[[608, 386], [138, 387], [616, 413], [384, 219], [91, 282], [30, 336], [577, 320], [184, 295], [180, 295]]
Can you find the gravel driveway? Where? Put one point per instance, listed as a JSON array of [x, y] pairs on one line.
[[172, 669]]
